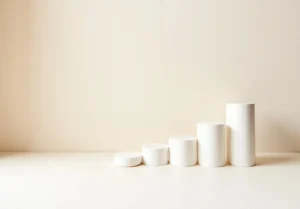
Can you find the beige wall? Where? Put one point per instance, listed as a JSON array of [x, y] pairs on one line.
[[110, 75]]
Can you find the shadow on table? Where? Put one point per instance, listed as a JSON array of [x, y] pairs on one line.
[[263, 161]]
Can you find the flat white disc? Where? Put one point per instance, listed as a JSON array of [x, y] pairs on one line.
[[127, 159]]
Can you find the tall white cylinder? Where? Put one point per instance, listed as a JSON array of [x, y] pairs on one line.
[[183, 150], [155, 154], [211, 144], [240, 121]]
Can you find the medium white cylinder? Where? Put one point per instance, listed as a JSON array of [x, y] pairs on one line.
[[155, 154], [127, 159], [183, 150], [240, 121], [211, 144]]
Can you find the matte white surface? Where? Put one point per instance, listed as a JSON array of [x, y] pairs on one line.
[[127, 159], [78, 180], [183, 150], [240, 121], [155, 154], [211, 144]]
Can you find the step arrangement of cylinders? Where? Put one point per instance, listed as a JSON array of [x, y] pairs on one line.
[[214, 146]]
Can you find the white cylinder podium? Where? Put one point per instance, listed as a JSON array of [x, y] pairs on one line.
[[127, 159], [155, 154], [240, 121], [183, 150], [211, 144]]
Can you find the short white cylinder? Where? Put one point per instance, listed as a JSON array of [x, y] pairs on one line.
[[211, 144], [127, 159], [183, 150], [240, 121], [155, 154]]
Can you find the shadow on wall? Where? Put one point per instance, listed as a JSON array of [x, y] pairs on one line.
[[279, 136], [274, 160], [15, 75]]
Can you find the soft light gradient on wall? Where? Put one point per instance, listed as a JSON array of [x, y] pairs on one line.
[[90, 75]]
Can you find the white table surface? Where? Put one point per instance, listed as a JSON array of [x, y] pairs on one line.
[[89, 180]]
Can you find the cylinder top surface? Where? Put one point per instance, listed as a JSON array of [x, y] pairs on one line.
[[240, 103], [210, 124], [155, 146], [127, 155], [183, 138]]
